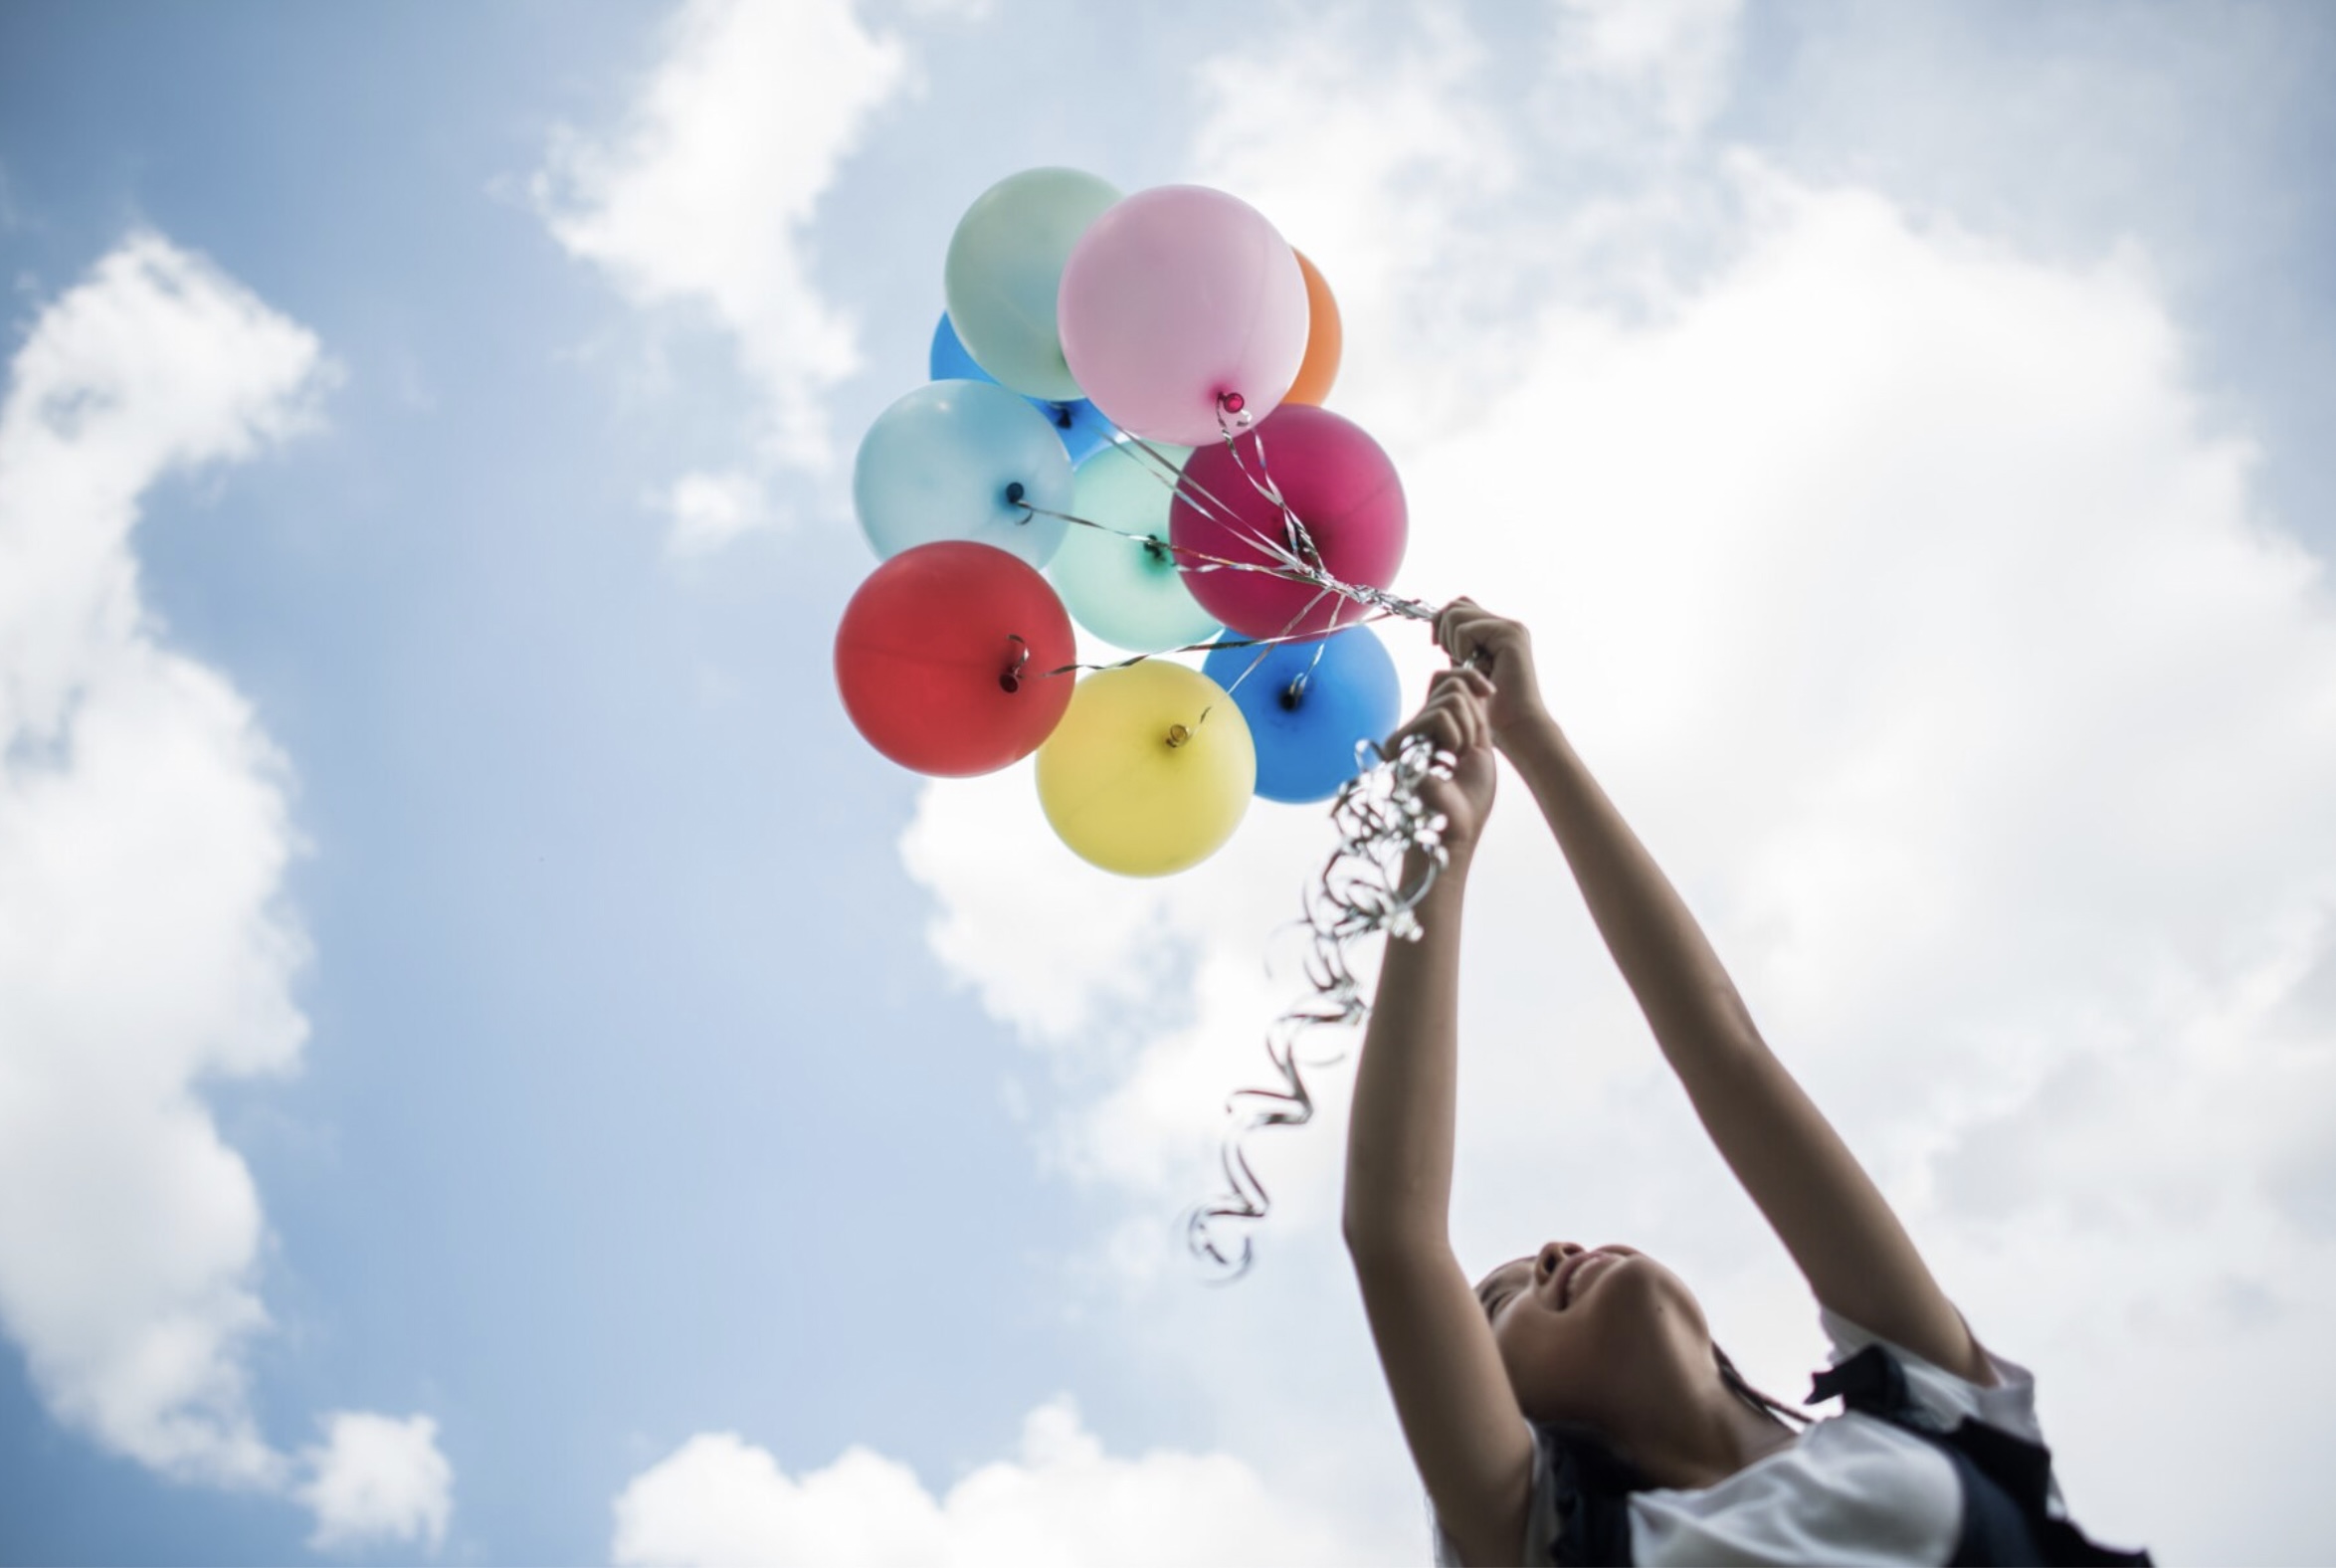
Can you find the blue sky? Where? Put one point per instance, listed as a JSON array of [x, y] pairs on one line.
[[674, 1066], [556, 1143]]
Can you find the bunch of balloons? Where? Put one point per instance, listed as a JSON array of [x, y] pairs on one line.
[[1124, 430]]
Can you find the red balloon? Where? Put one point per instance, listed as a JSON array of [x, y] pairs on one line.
[[942, 655], [1340, 483]]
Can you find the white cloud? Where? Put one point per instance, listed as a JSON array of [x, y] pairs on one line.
[[707, 510], [703, 197], [1061, 1500], [1666, 60], [146, 827], [144, 830], [378, 1480], [1896, 585]]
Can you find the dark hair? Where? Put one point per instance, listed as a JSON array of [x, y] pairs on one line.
[[1765, 1404], [1583, 1443]]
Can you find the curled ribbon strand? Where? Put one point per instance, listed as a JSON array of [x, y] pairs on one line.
[[1378, 818]]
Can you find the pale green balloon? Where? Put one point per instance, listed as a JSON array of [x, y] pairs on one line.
[[1005, 267], [1130, 595]]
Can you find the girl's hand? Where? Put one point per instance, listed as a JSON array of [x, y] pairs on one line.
[[1454, 716], [1503, 649]]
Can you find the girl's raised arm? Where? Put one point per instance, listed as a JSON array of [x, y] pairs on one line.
[[1452, 1394], [1840, 1231]]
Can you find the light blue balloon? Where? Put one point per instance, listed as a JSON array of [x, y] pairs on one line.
[[1128, 594], [1081, 426], [1305, 714], [962, 460], [1005, 267]]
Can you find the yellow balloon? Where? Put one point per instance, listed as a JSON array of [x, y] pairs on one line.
[[1149, 771]]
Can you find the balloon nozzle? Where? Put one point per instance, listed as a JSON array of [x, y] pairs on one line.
[[1293, 693], [1233, 402], [1178, 734], [1010, 678], [1013, 493]]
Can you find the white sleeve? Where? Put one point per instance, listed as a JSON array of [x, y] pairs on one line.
[[1940, 1396], [1540, 1545]]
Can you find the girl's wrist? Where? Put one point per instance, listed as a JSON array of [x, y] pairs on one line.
[[1460, 849], [1536, 729]]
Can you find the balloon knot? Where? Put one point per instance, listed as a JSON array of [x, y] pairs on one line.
[[1291, 694], [1178, 734], [1233, 401], [1013, 493]]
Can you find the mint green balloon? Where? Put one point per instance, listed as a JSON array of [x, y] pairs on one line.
[[1130, 595], [1005, 265]]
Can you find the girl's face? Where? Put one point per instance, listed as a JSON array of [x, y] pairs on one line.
[[1591, 1334]]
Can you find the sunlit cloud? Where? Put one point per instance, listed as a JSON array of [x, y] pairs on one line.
[[145, 829], [1060, 1499], [703, 202], [378, 1480]]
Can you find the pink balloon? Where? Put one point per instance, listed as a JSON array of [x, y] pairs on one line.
[[1175, 297], [1343, 488]]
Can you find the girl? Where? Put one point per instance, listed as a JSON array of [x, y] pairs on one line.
[[1573, 1407]]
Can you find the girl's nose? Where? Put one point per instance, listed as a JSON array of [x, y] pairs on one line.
[[1552, 1254]]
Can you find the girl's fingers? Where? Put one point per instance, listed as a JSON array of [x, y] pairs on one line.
[[1463, 698], [1476, 632], [1455, 711], [1443, 620], [1469, 633], [1443, 711], [1455, 693], [1441, 728], [1449, 624], [1453, 699], [1474, 681], [1437, 713]]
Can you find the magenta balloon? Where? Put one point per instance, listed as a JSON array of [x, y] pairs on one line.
[[1174, 297], [1343, 488]]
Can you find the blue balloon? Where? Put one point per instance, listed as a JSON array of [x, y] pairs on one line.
[[950, 361], [1080, 427], [1307, 715]]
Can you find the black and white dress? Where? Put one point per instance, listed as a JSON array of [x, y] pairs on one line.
[[1924, 1467]]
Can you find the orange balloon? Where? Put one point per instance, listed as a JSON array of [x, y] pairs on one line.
[[1323, 339]]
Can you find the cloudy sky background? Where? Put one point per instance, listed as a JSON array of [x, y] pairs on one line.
[[491, 1068]]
